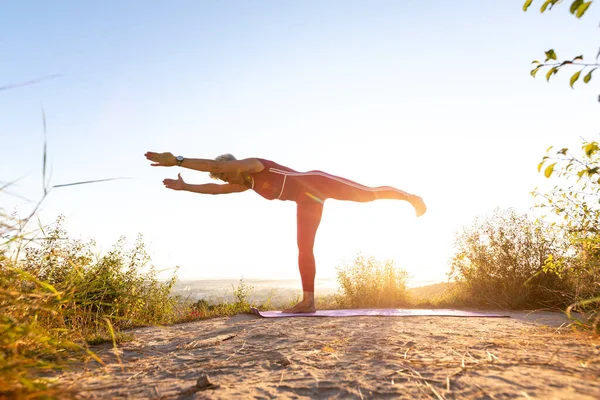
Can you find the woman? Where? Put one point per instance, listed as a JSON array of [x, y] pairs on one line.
[[273, 181]]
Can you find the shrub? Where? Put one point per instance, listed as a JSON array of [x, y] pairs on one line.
[[368, 282], [119, 285], [574, 200], [27, 345], [55, 295], [500, 261]]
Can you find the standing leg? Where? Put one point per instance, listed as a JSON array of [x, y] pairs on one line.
[[308, 219]]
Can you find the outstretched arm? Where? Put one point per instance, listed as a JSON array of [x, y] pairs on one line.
[[215, 188], [207, 188], [248, 165]]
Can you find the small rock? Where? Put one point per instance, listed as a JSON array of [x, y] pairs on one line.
[[285, 361], [203, 382], [281, 359]]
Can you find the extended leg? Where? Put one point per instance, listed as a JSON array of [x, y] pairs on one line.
[[321, 185], [308, 219]]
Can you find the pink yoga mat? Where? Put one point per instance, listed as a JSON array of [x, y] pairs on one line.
[[385, 312]]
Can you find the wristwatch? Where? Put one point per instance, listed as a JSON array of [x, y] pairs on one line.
[[179, 160]]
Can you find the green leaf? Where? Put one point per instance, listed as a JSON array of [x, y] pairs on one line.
[[548, 149], [549, 170], [534, 71], [545, 5], [582, 9], [574, 78], [540, 165], [550, 3], [43, 284], [563, 151], [588, 77], [551, 72], [575, 5], [535, 62], [590, 148], [527, 4], [550, 55]]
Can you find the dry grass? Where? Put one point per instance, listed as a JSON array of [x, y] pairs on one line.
[[55, 296]]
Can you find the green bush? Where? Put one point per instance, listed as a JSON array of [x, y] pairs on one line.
[[574, 200], [368, 282], [27, 344], [500, 262], [119, 285], [56, 296]]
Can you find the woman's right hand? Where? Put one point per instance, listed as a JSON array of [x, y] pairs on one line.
[[161, 159], [175, 184]]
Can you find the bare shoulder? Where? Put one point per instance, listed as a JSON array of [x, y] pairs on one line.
[[254, 165]]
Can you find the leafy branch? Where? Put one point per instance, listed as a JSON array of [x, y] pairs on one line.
[[578, 202], [578, 8], [556, 66]]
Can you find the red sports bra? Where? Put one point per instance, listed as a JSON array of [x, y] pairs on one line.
[[270, 183]]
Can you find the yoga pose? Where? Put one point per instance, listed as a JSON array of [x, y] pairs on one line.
[[273, 181]]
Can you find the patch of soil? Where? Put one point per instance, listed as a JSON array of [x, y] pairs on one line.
[[359, 357]]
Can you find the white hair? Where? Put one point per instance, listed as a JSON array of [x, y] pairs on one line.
[[222, 157]]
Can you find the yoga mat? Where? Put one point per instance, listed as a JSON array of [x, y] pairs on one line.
[[385, 312]]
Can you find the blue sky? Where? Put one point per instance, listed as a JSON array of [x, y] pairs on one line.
[[432, 97]]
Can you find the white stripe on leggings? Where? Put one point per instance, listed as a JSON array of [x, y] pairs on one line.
[[335, 178], [282, 186]]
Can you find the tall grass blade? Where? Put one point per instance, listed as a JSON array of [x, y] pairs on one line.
[[28, 83], [86, 182], [45, 153]]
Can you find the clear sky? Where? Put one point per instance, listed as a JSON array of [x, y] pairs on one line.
[[434, 98]]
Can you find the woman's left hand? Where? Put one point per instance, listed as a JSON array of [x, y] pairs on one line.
[[161, 159], [175, 184]]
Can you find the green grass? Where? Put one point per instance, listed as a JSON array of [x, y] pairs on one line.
[[58, 297]]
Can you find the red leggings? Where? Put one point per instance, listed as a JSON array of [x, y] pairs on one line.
[[312, 189]]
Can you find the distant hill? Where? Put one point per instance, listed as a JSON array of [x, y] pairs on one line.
[[280, 292], [430, 291]]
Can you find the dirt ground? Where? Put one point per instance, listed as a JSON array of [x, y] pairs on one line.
[[246, 356]]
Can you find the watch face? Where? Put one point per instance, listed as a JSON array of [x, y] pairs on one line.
[[179, 158]]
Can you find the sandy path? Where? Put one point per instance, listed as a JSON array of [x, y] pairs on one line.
[[361, 357]]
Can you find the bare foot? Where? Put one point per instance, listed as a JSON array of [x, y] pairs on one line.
[[419, 205], [302, 307]]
